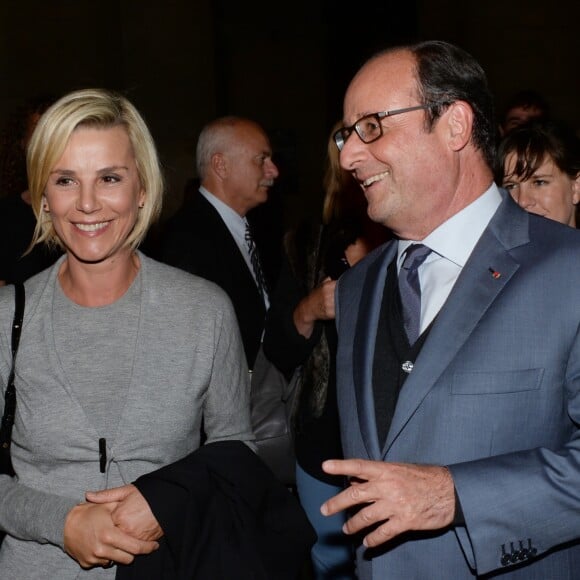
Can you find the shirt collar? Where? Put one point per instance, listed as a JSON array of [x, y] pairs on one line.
[[232, 218], [455, 238]]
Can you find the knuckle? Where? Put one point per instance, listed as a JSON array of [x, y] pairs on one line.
[[368, 516], [130, 530], [106, 537], [99, 554], [383, 533], [143, 548], [356, 493]]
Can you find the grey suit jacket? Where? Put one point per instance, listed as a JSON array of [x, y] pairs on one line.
[[494, 395], [188, 365]]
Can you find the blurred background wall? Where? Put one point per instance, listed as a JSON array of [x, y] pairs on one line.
[[183, 62]]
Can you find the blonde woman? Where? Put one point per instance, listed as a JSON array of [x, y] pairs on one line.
[[120, 357]]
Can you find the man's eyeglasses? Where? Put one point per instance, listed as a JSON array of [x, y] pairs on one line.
[[369, 127]]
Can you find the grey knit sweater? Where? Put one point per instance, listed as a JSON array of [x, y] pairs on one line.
[[140, 373]]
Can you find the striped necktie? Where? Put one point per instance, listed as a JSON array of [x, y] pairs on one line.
[[410, 289], [255, 259]]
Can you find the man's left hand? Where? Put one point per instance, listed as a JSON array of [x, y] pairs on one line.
[[394, 497]]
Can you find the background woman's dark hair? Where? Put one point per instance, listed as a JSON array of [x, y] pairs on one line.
[[527, 99], [446, 73], [13, 141], [533, 142]]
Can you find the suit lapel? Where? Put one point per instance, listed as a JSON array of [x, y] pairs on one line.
[[488, 270], [364, 347]]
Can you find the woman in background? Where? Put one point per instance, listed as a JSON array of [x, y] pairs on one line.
[[300, 332], [121, 357], [539, 164]]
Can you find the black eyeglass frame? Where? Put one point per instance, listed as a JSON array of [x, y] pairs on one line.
[[340, 140]]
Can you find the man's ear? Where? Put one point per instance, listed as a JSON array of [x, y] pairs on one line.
[[219, 165], [576, 190], [459, 119]]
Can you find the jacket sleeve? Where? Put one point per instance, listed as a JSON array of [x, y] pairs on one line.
[[283, 344], [519, 505]]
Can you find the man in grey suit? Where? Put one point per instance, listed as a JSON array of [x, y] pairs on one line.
[[461, 435]]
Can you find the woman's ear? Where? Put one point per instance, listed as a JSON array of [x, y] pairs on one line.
[[44, 204]]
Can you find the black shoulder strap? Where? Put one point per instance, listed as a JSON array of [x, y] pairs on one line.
[[10, 395]]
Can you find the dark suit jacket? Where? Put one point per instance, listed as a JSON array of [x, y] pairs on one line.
[[197, 240], [225, 517], [494, 395]]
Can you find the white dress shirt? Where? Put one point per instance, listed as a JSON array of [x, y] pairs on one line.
[[451, 244], [236, 225]]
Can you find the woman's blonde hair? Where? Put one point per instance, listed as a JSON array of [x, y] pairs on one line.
[[337, 182], [99, 108]]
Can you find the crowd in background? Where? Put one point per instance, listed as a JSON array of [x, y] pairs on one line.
[[275, 303]]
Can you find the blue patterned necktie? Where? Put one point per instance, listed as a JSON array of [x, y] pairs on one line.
[[410, 289], [255, 259]]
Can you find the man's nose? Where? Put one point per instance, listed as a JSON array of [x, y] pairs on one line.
[[352, 152], [271, 169]]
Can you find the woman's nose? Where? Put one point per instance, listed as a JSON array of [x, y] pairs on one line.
[[526, 197], [87, 201]]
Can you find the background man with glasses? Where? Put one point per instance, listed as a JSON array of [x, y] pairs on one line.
[[459, 350]]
